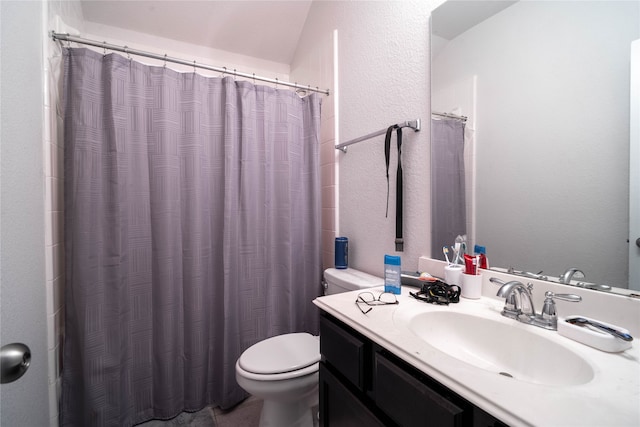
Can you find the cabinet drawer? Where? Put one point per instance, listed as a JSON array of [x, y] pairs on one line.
[[343, 351], [341, 408], [410, 402]]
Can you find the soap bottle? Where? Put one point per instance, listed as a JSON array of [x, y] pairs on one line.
[[392, 272], [481, 251]]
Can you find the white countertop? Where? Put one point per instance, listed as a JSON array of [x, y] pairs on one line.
[[611, 398]]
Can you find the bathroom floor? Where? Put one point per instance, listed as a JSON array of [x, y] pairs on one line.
[[246, 414]]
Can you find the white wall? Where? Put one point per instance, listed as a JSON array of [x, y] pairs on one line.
[[182, 50], [314, 62], [552, 139], [634, 168], [383, 57]]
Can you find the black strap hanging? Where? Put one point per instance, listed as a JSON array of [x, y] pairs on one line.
[[387, 149]]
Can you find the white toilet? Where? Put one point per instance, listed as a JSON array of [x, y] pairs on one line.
[[283, 370]]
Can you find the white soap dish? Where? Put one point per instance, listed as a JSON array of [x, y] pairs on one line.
[[593, 337]]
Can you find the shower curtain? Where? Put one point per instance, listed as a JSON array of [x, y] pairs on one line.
[[192, 218], [448, 207]]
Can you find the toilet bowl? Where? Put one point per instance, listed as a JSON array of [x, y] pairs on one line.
[[283, 370]]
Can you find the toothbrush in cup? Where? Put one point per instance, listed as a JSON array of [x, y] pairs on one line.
[[445, 251], [456, 249], [456, 255]]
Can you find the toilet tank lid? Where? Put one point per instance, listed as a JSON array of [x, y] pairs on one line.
[[282, 353], [350, 278]]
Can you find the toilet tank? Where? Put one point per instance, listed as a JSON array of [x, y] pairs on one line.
[[348, 279]]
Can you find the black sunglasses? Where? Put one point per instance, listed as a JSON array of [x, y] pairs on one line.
[[438, 292], [370, 300]]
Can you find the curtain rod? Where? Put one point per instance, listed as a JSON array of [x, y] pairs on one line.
[[449, 116], [224, 70], [413, 124]]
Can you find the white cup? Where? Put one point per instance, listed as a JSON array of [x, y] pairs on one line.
[[452, 274], [471, 286]]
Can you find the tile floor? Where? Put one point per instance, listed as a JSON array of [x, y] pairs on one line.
[[246, 414]]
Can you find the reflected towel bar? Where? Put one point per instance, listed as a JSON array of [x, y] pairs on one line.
[[449, 116]]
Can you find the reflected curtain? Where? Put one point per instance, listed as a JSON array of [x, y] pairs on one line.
[[192, 231], [448, 206]]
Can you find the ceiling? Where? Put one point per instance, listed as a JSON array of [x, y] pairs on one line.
[[267, 30], [453, 18]]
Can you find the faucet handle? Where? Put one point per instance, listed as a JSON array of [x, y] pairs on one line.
[[563, 297], [549, 306], [497, 281]]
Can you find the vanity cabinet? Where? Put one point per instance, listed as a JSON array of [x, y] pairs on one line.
[[362, 383]]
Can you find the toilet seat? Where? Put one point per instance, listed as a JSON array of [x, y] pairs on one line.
[[281, 354]]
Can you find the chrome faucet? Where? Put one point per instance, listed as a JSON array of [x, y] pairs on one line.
[[518, 299], [519, 304], [565, 278], [568, 275]]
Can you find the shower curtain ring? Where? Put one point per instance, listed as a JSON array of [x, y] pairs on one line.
[[276, 83], [194, 67], [299, 90], [126, 50], [224, 72], [104, 48], [254, 78], [165, 60], [234, 74]]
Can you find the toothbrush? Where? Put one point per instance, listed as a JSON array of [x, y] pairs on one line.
[[445, 251], [457, 251]]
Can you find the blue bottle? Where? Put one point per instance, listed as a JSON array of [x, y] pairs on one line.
[[392, 274], [342, 252]]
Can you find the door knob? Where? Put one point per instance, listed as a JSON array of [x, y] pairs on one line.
[[14, 360], [638, 242]]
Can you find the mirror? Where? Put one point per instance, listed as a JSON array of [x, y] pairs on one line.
[[545, 87]]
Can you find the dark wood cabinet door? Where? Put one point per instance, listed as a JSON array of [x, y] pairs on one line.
[[410, 402], [339, 407]]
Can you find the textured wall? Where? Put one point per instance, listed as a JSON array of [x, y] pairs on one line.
[[383, 57]]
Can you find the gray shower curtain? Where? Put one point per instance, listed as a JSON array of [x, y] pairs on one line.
[[448, 206], [192, 231]]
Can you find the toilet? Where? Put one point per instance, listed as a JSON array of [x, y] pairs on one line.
[[283, 370]]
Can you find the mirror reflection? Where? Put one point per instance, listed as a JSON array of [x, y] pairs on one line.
[[545, 89]]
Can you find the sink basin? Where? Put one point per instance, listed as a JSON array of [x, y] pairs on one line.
[[495, 346]]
